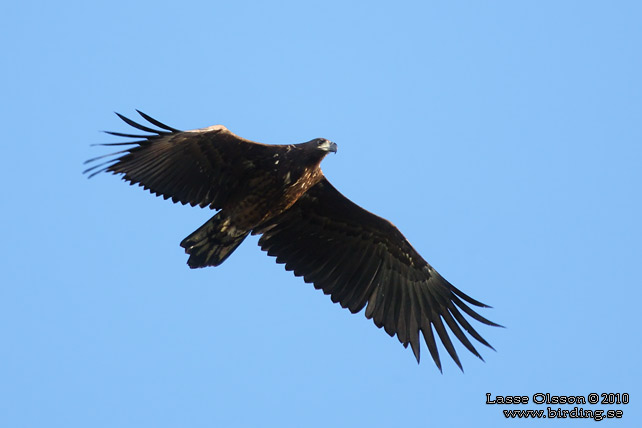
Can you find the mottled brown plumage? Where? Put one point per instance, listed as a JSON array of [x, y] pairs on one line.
[[279, 191]]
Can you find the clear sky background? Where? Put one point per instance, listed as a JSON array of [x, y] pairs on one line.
[[503, 138]]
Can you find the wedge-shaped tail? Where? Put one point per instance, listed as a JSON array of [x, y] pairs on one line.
[[213, 242]]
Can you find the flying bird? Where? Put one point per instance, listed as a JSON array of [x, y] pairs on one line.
[[279, 192]]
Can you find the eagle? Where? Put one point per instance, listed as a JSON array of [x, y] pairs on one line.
[[279, 192]]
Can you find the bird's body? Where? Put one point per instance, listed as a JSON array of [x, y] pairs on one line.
[[279, 191]]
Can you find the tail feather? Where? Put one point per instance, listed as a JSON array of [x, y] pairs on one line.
[[213, 242]]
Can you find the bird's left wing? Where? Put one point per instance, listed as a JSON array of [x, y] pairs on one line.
[[207, 166], [359, 258]]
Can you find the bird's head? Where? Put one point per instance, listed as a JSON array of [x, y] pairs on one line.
[[323, 145], [313, 151]]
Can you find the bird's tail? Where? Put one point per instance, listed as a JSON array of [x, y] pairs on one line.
[[213, 242]]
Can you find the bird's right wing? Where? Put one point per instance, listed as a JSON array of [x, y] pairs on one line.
[[359, 258], [200, 167]]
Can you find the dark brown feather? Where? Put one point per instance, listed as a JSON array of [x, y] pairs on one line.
[[360, 258], [201, 167]]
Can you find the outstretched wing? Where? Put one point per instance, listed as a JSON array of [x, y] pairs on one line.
[[359, 258], [200, 167]]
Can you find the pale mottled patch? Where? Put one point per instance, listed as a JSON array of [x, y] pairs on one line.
[[225, 225], [209, 129]]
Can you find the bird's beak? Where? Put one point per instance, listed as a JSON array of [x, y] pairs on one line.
[[332, 147]]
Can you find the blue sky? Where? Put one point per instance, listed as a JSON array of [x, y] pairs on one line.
[[503, 139]]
